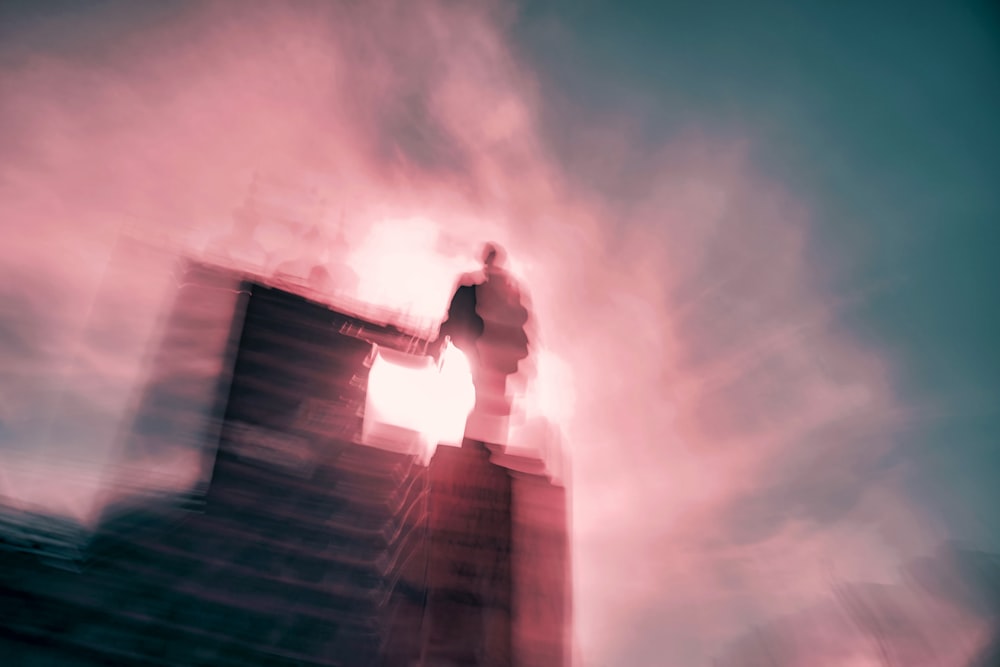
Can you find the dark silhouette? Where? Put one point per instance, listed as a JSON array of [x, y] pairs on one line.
[[463, 326], [486, 320]]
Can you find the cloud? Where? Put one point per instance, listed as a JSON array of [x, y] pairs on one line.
[[728, 431]]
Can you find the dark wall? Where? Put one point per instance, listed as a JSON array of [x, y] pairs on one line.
[[320, 561]]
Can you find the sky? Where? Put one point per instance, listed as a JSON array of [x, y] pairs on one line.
[[758, 236]]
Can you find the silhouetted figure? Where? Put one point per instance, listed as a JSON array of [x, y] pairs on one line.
[[486, 321], [463, 325]]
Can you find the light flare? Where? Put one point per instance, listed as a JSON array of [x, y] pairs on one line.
[[414, 394], [400, 268]]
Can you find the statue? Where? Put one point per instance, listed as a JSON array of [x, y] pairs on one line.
[[486, 320]]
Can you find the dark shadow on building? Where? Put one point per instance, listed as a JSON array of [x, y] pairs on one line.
[[309, 548]]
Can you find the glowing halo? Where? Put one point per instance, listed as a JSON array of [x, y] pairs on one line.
[[414, 404]]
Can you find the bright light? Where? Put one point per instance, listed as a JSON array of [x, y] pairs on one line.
[[414, 404], [552, 394], [399, 267], [458, 396]]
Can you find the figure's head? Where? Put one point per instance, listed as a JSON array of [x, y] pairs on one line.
[[493, 256]]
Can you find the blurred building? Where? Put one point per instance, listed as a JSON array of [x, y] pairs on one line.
[[302, 545]]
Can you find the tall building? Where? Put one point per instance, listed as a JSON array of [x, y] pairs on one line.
[[304, 546]]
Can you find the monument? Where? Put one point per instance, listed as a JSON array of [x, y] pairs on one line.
[[304, 543]]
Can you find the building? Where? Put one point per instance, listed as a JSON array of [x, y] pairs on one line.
[[303, 546]]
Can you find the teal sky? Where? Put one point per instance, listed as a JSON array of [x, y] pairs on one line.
[[882, 118]]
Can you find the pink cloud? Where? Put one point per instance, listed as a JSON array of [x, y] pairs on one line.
[[722, 414]]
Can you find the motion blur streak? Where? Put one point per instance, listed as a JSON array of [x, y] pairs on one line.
[[728, 439]]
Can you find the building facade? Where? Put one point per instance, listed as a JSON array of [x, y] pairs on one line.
[[304, 546]]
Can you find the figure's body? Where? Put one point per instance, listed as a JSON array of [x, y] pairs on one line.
[[486, 321], [463, 325]]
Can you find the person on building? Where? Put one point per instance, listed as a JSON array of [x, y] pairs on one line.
[[486, 320]]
